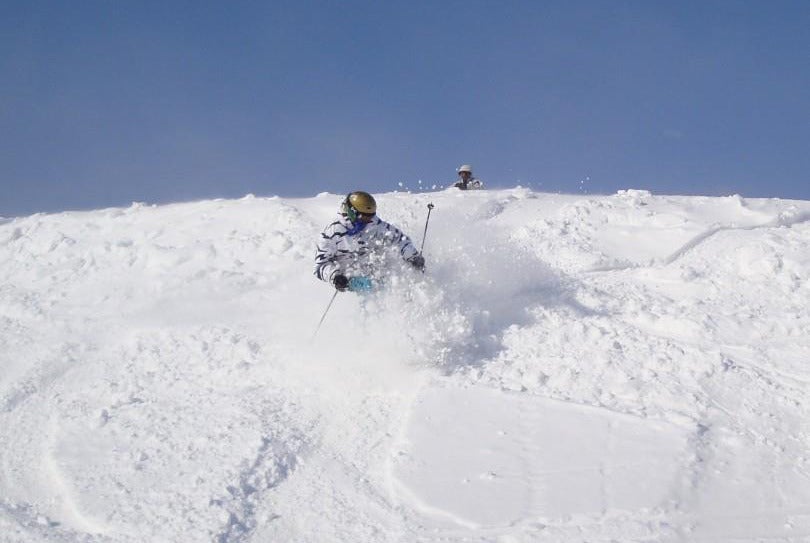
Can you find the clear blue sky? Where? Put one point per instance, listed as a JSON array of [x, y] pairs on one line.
[[103, 103]]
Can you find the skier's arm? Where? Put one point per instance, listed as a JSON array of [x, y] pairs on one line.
[[393, 236], [326, 265], [411, 254]]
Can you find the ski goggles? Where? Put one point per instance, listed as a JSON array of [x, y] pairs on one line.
[[354, 215]]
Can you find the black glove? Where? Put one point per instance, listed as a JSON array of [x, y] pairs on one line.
[[417, 262], [341, 282]]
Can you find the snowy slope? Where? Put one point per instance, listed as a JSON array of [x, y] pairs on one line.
[[609, 368]]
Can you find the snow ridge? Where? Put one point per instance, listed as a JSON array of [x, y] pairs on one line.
[[570, 368]]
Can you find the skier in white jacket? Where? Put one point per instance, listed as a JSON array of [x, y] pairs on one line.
[[357, 246], [466, 179]]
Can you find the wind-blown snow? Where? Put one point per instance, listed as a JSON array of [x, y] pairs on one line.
[[608, 368]]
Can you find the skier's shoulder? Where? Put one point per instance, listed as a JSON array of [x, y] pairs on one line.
[[338, 227], [381, 226], [390, 233]]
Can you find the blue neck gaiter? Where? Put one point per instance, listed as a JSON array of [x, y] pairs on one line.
[[356, 227]]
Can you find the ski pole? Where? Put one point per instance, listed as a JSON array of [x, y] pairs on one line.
[[324, 314], [424, 235]]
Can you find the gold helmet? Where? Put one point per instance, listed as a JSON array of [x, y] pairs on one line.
[[359, 203]]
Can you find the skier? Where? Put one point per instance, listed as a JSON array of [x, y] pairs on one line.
[[467, 181], [358, 246]]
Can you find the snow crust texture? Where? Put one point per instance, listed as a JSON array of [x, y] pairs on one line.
[[569, 368]]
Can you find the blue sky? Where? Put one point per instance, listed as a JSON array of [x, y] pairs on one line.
[[103, 103]]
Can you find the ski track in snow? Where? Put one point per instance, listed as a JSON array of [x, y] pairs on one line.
[[691, 244], [608, 368]]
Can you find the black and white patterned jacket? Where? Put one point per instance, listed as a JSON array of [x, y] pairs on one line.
[[473, 183], [353, 251]]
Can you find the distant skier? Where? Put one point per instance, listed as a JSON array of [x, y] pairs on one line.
[[358, 246], [467, 181]]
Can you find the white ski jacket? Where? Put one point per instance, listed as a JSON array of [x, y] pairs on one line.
[[353, 251], [472, 184]]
